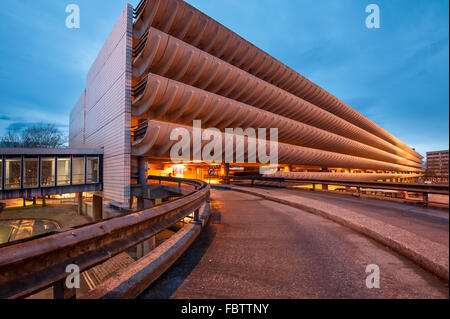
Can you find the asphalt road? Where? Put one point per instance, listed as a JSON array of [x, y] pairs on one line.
[[425, 222], [255, 248]]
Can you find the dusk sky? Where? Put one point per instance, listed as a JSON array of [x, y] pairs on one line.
[[397, 76]]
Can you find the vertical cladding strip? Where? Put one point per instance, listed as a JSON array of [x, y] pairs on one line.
[[108, 108], [84, 115], [128, 94]]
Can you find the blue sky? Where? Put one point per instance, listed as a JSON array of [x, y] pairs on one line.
[[398, 76]]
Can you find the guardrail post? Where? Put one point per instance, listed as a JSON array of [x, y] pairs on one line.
[[80, 203], [425, 199], [60, 291], [197, 215], [97, 207]]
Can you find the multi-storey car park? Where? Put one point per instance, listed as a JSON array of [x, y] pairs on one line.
[[437, 165], [166, 64]]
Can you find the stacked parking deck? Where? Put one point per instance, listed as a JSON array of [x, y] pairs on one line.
[[186, 67]]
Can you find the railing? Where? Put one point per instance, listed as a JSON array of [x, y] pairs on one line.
[[40, 263], [138, 132], [139, 88], [140, 45], [139, 8], [424, 189]]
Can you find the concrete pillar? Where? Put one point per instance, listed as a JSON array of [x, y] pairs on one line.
[[196, 216], [130, 202], [139, 251], [60, 291], [97, 207], [145, 247], [149, 245], [34, 201], [324, 186], [143, 170], [227, 169], [140, 203], [80, 203]]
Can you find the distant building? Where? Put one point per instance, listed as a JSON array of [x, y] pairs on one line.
[[437, 164]]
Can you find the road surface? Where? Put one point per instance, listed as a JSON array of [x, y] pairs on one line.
[[254, 248], [425, 222]]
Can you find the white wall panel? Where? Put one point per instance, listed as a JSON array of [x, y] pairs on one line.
[[107, 109]]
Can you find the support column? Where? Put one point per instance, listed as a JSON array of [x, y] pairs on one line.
[[143, 170], [325, 186], [149, 245], [145, 247], [97, 207], [60, 291], [140, 203], [43, 201], [80, 203], [227, 172], [142, 181]]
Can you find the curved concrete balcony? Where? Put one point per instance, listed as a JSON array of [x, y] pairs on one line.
[[353, 177], [170, 57], [185, 22], [172, 101], [157, 144]]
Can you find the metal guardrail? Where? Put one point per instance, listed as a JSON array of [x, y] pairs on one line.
[[34, 265], [424, 189]]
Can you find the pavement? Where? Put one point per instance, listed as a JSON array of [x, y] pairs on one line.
[[257, 248]]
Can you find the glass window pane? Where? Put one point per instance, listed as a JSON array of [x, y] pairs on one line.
[[48, 172], [63, 171], [30, 172], [78, 170], [92, 170], [13, 173]]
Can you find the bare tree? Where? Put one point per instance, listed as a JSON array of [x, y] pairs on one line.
[[11, 139], [35, 136]]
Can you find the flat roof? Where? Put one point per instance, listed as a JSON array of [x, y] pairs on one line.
[[50, 151]]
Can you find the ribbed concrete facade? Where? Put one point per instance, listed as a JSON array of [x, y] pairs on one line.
[[186, 66], [189, 67]]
